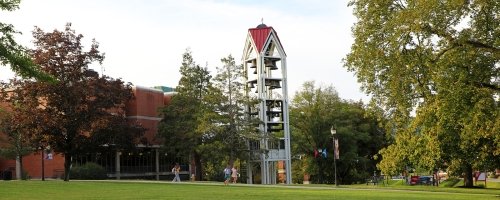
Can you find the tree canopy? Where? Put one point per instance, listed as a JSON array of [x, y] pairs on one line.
[[80, 110], [231, 127], [14, 123], [206, 118], [433, 66], [182, 123], [313, 112]]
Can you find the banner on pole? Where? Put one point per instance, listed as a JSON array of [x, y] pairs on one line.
[[480, 176], [337, 149], [49, 156]]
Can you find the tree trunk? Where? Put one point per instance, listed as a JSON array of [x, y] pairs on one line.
[[19, 167], [197, 160], [320, 171], [468, 181], [67, 165]]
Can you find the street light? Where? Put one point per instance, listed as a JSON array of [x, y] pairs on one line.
[[333, 131]]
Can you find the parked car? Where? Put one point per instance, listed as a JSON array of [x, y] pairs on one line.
[[425, 180]]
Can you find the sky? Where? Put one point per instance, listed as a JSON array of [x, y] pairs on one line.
[[143, 41]]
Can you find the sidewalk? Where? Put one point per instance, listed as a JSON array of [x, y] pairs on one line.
[[496, 180]]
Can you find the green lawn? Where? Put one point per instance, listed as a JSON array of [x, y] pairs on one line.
[[49, 190], [450, 183]]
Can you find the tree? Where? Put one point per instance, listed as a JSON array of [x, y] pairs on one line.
[[181, 126], [311, 118], [314, 111], [230, 103], [230, 126], [206, 119], [14, 54], [441, 60], [69, 114], [17, 134]]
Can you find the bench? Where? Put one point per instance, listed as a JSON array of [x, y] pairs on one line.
[[58, 173]]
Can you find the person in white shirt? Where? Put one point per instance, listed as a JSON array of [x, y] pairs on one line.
[[227, 175]]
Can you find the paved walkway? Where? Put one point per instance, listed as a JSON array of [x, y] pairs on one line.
[[497, 180]]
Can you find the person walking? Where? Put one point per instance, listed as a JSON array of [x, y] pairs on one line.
[[175, 171], [227, 175], [234, 174]]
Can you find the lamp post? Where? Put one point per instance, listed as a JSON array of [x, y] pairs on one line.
[[43, 163], [333, 131]]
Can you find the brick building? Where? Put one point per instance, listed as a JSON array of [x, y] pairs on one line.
[[146, 161]]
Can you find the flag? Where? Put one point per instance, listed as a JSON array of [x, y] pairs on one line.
[[337, 152]]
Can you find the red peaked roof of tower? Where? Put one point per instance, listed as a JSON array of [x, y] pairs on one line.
[[261, 34]]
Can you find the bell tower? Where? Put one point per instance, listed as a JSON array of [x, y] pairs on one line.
[[264, 61]]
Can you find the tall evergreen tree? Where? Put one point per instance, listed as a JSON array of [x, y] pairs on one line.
[[231, 105], [230, 127], [181, 126]]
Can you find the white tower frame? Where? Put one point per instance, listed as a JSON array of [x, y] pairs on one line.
[[264, 53]]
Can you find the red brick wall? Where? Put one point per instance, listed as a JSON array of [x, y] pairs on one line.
[[9, 165], [145, 103], [167, 98], [281, 172], [53, 168], [32, 165], [142, 109]]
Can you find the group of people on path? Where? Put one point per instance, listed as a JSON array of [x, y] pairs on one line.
[[230, 173]]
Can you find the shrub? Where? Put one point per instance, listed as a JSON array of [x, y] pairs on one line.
[[25, 175], [88, 171]]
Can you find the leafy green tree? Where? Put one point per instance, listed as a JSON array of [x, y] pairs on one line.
[[69, 114], [314, 110], [361, 138], [14, 54], [183, 124], [311, 119], [441, 60]]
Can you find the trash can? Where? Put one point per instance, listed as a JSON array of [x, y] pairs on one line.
[[7, 175]]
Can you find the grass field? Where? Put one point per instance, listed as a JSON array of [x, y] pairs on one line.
[[453, 184], [49, 190]]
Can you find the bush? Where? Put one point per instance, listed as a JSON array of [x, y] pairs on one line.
[[88, 171], [25, 175]]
